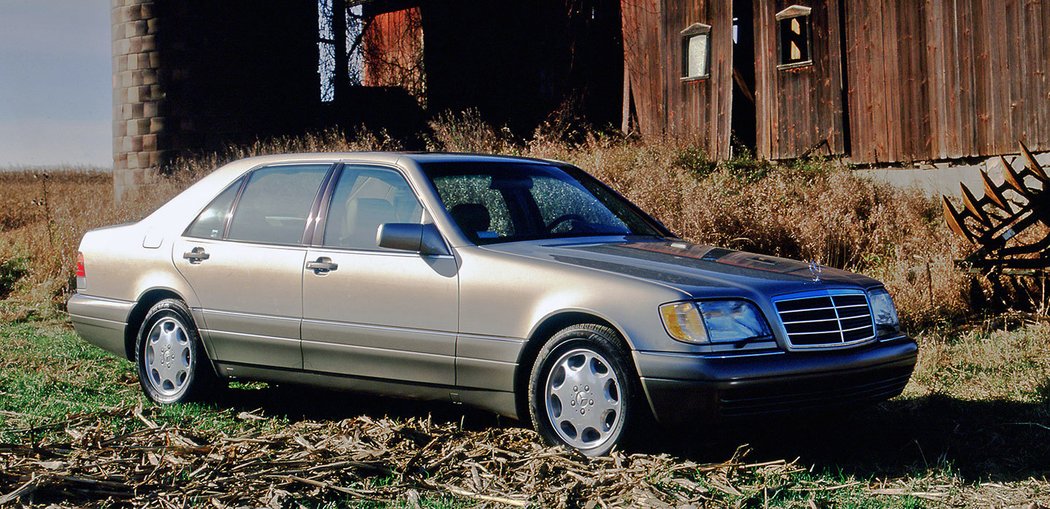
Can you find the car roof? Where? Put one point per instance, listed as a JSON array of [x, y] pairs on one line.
[[450, 157], [392, 157]]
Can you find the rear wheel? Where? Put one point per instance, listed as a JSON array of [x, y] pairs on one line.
[[172, 364], [581, 389]]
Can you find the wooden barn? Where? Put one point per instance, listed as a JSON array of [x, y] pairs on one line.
[[874, 80]]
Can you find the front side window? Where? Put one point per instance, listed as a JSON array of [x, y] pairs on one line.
[[794, 36], [365, 198], [522, 201], [275, 204]]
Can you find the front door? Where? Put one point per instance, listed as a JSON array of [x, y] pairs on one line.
[[374, 312], [247, 269]]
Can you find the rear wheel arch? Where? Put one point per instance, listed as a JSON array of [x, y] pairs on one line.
[[547, 328], [169, 356], [138, 314]]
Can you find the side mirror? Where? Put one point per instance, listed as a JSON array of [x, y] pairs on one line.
[[420, 238]]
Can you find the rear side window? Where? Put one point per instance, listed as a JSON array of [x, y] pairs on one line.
[[212, 221], [276, 203]]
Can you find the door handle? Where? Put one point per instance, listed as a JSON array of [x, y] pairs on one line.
[[323, 265], [196, 255]]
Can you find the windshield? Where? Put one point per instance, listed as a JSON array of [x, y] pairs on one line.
[[503, 202]]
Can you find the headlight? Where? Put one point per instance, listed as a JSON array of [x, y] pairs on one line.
[[713, 321], [884, 312]]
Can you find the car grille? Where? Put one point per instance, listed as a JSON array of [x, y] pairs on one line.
[[843, 389], [826, 320]]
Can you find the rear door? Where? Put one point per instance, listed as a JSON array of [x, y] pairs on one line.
[[375, 312], [243, 256]]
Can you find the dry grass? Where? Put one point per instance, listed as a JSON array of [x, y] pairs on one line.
[[814, 209], [43, 215], [1006, 359], [810, 210], [42, 218]]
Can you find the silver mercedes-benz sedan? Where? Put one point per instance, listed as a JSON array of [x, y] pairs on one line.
[[521, 286]]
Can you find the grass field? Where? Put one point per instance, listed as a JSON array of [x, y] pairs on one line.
[[971, 429]]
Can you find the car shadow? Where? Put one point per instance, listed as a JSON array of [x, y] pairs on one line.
[[299, 403], [979, 440]]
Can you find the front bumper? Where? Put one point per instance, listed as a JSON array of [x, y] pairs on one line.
[[683, 387]]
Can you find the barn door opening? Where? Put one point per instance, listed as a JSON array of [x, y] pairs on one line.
[[744, 118]]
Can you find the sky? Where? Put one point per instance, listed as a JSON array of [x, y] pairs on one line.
[[55, 83]]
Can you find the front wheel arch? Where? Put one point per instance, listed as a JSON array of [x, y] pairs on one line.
[[605, 349], [543, 332]]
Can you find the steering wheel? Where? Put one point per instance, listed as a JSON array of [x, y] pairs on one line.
[[562, 218]]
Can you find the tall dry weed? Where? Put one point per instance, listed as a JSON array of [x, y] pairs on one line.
[[43, 215], [467, 132], [813, 210]]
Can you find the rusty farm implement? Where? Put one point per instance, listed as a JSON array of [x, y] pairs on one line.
[[1000, 223]]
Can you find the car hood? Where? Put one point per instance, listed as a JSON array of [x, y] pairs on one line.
[[696, 269]]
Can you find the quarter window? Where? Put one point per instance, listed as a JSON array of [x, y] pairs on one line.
[[274, 206], [211, 222], [794, 34], [365, 198]]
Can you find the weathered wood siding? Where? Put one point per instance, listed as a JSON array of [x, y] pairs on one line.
[[799, 109], [699, 109], [393, 51], [642, 48], [940, 79]]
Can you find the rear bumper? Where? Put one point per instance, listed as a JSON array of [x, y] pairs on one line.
[[682, 388], [100, 321]]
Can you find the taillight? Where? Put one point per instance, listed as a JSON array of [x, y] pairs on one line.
[[80, 265]]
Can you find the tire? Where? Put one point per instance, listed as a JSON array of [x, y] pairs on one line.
[[172, 364], [583, 369]]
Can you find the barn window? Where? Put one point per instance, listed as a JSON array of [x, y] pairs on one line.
[[794, 40], [696, 52]]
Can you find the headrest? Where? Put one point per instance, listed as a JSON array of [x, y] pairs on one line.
[[471, 218]]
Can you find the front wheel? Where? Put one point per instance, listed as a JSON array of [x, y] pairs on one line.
[[581, 389], [172, 365]]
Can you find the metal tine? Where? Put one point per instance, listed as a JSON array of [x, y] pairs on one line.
[[994, 194], [971, 204], [956, 221], [1032, 164], [1015, 180]]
